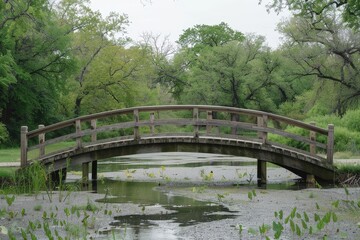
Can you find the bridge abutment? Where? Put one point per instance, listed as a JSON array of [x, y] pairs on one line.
[[261, 172]]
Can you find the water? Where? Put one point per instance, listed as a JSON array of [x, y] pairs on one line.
[[135, 180]]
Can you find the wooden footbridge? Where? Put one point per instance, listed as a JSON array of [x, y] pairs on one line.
[[306, 150]]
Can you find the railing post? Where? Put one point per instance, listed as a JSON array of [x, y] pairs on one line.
[[330, 144], [78, 134], [312, 138], [136, 126], [262, 123], [152, 119], [41, 142], [93, 127], [209, 118], [196, 119], [24, 146]]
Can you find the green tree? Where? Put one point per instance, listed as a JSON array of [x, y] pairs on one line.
[[34, 61], [201, 36], [91, 33], [327, 52], [349, 9], [237, 74]]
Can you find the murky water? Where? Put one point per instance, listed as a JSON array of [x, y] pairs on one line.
[[135, 179]]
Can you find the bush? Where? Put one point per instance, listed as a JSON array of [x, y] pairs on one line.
[[346, 140], [352, 120], [4, 135]]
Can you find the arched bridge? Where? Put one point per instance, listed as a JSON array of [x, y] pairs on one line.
[[306, 149]]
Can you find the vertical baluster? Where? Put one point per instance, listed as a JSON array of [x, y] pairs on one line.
[[152, 119], [78, 133], [24, 145], [196, 119], [93, 127], [262, 122], [136, 125], [41, 142], [209, 118], [330, 144], [312, 138]]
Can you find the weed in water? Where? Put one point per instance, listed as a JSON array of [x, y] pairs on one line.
[[206, 177], [37, 208]]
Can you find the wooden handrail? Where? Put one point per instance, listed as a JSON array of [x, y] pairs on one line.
[[260, 124]]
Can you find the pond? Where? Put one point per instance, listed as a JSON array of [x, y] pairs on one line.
[[138, 179]]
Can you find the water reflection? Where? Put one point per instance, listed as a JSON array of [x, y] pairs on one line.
[[179, 211]]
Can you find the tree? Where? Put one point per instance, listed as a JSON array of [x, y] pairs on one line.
[[91, 34], [329, 52], [35, 59], [350, 9], [237, 74], [201, 36]]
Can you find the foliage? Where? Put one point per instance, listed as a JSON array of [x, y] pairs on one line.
[[352, 120], [35, 47], [345, 138], [349, 9], [201, 36], [325, 50], [4, 135]]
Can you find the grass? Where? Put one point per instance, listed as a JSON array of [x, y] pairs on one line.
[[7, 172], [10, 155], [349, 168], [13, 154]]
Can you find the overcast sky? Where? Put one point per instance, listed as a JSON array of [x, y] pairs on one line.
[[172, 17]]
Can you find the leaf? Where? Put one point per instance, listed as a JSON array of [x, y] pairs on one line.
[[336, 203], [254, 193], [320, 225], [316, 217], [292, 225], [250, 195], [281, 214], [327, 217], [298, 230], [334, 217], [293, 212], [306, 217], [3, 230], [304, 225], [287, 220], [317, 206]]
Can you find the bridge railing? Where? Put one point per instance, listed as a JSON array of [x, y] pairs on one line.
[[192, 121]]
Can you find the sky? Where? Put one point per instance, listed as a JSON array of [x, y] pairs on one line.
[[171, 17]]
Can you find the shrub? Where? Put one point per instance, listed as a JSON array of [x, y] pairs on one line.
[[346, 140], [352, 120], [4, 135]]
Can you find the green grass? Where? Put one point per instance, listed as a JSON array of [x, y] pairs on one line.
[[349, 168], [10, 155], [7, 172], [13, 154]]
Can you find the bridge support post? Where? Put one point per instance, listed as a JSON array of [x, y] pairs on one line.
[[94, 170], [310, 180], [261, 172], [85, 172]]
